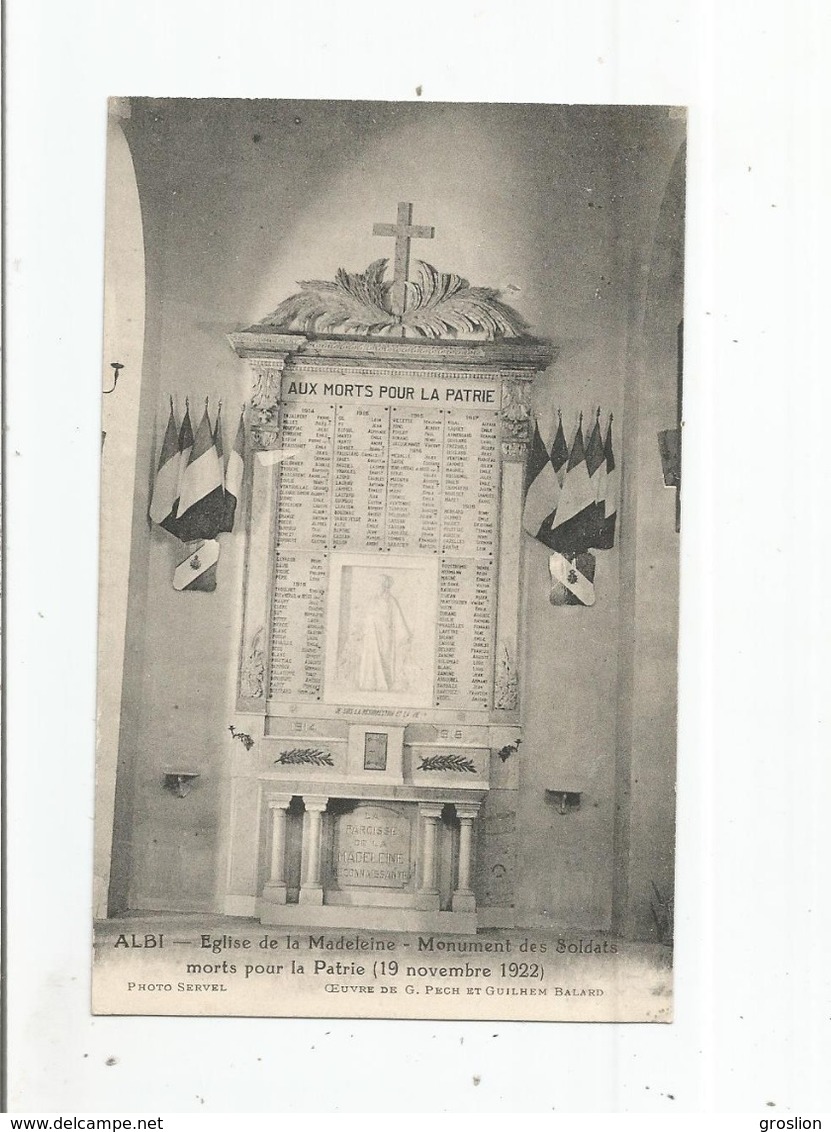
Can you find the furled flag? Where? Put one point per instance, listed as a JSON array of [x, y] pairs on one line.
[[233, 477], [544, 481], [596, 466], [219, 446], [185, 446], [607, 495], [542, 486], [166, 485], [573, 529], [559, 451], [202, 498]]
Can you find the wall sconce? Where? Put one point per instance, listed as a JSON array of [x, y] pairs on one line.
[[117, 367], [565, 800], [179, 782]]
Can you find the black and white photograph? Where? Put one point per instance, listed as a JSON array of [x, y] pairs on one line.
[[389, 559], [397, 717]]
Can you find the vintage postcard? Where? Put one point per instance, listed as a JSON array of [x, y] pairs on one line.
[[389, 560]]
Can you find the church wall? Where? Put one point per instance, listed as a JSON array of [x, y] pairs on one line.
[[650, 583], [123, 341], [248, 199]]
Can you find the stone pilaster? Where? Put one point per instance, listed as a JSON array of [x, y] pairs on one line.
[[263, 436], [515, 436]]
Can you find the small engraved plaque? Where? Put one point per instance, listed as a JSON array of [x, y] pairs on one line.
[[375, 751]]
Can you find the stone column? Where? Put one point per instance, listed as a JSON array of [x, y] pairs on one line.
[[464, 899], [429, 819], [311, 888], [275, 887]]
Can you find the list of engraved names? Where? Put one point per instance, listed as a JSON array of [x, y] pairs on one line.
[[414, 478]]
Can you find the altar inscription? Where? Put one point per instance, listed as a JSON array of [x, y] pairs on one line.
[[372, 848]]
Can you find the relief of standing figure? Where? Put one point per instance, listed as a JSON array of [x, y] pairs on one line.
[[384, 639]]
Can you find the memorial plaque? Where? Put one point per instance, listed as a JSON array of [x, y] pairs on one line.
[[372, 848], [419, 476]]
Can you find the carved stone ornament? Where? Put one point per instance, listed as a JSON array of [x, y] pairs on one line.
[[506, 684], [515, 418], [252, 676], [513, 451], [266, 389], [262, 438], [305, 756], [439, 305], [516, 401], [265, 402], [450, 762]]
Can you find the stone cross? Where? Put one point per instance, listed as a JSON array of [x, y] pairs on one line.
[[403, 230]]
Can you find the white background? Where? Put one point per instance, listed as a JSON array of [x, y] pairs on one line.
[[753, 995]]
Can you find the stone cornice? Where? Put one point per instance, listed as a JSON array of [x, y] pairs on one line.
[[523, 354]]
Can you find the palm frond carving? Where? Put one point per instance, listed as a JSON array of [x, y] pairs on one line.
[[442, 305], [447, 762], [313, 756], [352, 304], [438, 305]]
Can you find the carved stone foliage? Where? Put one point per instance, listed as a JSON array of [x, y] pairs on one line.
[[449, 762], [252, 676], [263, 438], [515, 419], [265, 402], [506, 688], [439, 305], [513, 451], [308, 756], [516, 406]]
